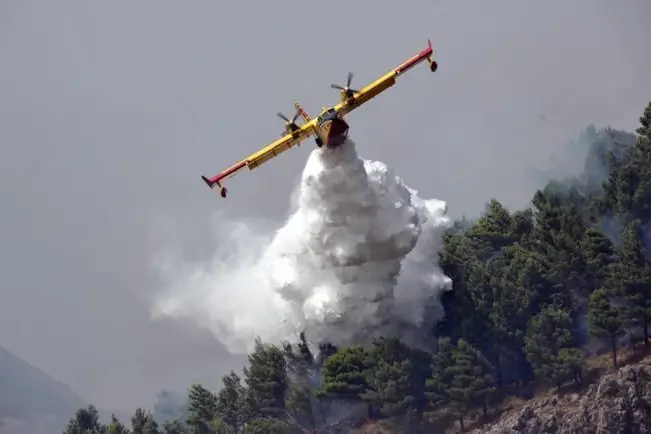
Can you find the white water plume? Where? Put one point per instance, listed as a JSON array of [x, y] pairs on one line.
[[358, 258]]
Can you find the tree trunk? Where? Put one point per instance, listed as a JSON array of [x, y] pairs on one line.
[[578, 375], [613, 344], [498, 371], [461, 425]]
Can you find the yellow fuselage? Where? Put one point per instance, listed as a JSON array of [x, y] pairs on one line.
[[322, 126]]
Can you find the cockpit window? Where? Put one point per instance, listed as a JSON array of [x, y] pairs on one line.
[[329, 115]]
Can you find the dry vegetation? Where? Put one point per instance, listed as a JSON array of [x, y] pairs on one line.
[[445, 421]]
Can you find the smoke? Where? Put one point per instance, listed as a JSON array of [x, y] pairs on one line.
[[357, 258]]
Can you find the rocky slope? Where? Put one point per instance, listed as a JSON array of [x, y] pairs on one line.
[[617, 403]]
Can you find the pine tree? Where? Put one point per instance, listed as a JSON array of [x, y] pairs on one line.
[[396, 378], [633, 275], [344, 374], [390, 388], [202, 409], [645, 121], [462, 376], [267, 381], [85, 421], [231, 405], [550, 348], [605, 319], [143, 422], [473, 383], [116, 427], [598, 253], [437, 385], [267, 426], [218, 426], [174, 427], [300, 400]]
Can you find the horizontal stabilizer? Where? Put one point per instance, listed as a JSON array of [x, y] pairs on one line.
[[207, 181]]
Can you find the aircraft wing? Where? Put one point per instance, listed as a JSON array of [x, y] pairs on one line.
[[367, 93], [387, 80], [281, 145], [265, 154]]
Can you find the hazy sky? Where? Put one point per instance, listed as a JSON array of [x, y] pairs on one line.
[[111, 111]]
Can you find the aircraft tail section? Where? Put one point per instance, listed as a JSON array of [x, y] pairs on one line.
[[208, 182], [307, 119], [299, 108], [217, 180]]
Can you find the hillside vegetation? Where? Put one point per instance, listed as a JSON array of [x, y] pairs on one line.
[[536, 291], [610, 401]]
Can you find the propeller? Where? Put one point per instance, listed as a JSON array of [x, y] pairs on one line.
[[348, 91], [290, 125]]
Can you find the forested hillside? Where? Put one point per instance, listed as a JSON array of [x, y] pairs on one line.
[[536, 291]]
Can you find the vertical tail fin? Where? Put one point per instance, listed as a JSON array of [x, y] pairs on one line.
[[211, 183], [303, 113], [433, 65], [208, 182], [307, 118]]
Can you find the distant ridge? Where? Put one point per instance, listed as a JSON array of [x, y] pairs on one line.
[[27, 393]]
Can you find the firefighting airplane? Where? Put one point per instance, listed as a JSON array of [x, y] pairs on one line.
[[329, 126]]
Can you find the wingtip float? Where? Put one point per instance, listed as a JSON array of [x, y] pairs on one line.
[[329, 128]]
